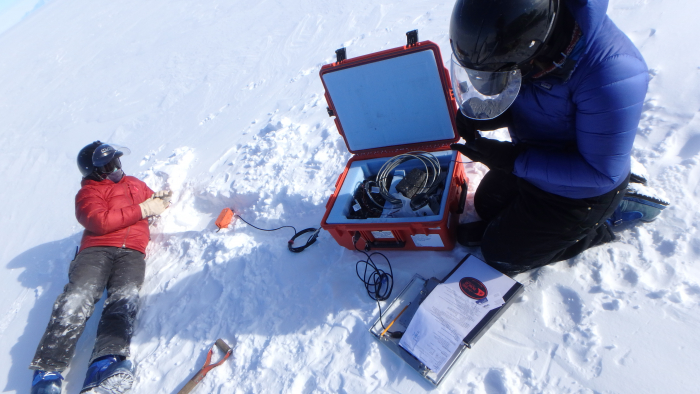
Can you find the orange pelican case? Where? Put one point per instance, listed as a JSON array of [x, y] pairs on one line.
[[387, 103]]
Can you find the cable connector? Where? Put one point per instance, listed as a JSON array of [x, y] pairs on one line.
[[309, 241], [355, 237]]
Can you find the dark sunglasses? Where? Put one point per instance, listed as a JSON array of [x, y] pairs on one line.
[[110, 167]]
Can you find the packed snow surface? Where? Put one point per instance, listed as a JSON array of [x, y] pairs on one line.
[[221, 102], [13, 11]]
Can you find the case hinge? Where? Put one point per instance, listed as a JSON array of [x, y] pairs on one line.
[[412, 38], [340, 55], [393, 151]]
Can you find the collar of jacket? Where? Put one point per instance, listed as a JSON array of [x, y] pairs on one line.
[[565, 64], [105, 182]]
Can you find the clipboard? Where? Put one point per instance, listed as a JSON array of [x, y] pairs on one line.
[[411, 298]]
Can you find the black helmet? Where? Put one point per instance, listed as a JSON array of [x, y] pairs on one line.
[[98, 159], [499, 35], [491, 40]]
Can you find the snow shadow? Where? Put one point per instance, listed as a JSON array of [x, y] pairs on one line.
[[244, 283], [282, 307], [240, 283], [45, 273]]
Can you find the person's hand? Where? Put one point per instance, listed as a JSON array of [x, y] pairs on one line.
[[466, 128], [164, 195], [496, 155], [153, 207]]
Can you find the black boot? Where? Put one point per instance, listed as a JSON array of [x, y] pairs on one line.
[[470, 234]]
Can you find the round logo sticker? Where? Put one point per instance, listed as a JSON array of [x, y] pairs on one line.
[[473, 288]]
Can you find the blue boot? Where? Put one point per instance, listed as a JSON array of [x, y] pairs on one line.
[[641, 204], [46, 382], [109, 375]]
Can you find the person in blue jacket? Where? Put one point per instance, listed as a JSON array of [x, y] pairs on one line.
[[569, 86]]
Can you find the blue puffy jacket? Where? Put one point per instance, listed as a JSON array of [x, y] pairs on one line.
[[579, 131]]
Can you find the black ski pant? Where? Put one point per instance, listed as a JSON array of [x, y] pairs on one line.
[[119, 270], [529, 227]]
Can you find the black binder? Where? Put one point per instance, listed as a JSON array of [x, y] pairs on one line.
[[410, 299]]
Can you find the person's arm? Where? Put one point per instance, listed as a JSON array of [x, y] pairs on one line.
[[609, 105], [91, 210]]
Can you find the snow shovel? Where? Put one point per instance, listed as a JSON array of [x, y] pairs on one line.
[[207, 366]]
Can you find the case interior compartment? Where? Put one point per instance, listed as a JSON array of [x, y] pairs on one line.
[[359, 170]]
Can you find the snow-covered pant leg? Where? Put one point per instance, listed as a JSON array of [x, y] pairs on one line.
[[529, 228], [117, 322], [87, 277]]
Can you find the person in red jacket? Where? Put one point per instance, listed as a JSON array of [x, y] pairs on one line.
[[114, 209]]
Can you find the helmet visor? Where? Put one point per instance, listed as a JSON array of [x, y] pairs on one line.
[[484, 94], [106, 152]]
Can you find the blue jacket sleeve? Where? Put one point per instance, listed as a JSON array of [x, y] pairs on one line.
[[608, 102]]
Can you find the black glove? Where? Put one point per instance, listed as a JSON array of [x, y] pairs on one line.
[[496, 155], [466, 128]]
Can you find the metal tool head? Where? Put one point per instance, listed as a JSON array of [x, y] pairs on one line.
[[223, 346]]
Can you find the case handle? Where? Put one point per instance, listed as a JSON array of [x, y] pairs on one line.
[[462, 198], [340, 55], [412, 38], [384, 244]]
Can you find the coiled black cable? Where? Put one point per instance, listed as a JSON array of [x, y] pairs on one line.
[[309, 241], [378, 283]]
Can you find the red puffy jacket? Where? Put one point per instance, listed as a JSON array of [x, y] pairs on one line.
[[111, 214]]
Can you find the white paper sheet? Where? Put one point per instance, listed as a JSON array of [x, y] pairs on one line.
[[427, 241], [452, 310]]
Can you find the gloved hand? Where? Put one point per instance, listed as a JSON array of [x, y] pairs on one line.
[[466, 128], [152, 207], [469, 128], [496, 155], [164, 195]]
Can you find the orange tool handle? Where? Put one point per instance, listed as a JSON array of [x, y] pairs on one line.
[[207, 367]]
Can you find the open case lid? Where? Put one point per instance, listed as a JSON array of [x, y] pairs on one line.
[[395, 98]]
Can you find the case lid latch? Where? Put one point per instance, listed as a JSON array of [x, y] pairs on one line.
[[330, 111], [412, 38], [340, 55]]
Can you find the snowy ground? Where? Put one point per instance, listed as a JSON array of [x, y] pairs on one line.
[[14, 11], [221, 102]]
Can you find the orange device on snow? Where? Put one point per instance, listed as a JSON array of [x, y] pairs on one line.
[[225, 218]]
